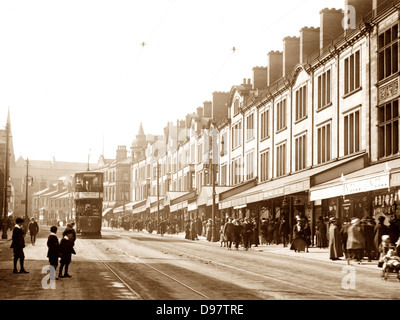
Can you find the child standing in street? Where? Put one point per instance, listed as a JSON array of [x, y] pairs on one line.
[[66, 251], [54, 250]]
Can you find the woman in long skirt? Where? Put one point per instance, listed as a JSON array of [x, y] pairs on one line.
[[299, 242]]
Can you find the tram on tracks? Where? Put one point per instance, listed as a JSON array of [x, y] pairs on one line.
[[88, 202]]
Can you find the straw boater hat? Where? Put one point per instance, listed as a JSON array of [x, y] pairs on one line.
[[355, 220]]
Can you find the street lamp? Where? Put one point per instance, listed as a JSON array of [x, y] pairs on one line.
[[213, 166]]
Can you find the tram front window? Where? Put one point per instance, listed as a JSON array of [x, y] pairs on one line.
[[88, 209]]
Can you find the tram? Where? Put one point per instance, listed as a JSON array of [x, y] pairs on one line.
[[88, 202]]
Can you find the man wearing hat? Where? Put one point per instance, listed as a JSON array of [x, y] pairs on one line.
[[335, 241], [355, 241], [18, 245]]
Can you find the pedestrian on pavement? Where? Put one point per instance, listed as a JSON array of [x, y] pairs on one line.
[[163, 227], [264, 230], [70, 226], [53, 252], [277, 238], [237, 232], [229, 235], [187, 230], [380, 230], [247, 233], [321, 233], [255, 238], [18, 245], [193, 230], [344, 236], [66, 251], [355, 241], [271, 229], [284, 231], [394, 230], [299, 238], [368, 228], [209, 227], [335, 241], [33, 228]]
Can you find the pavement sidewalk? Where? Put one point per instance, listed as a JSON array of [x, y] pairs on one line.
[[9, 235], [317, 254]]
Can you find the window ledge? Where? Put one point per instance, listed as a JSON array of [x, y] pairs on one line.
[[280, 130], [352, 92], [266, 138], [300, 120], [325, 107]]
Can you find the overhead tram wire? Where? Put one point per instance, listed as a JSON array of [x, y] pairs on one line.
[[153, 32], [245, 44]]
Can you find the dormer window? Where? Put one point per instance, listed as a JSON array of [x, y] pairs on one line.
[[236, 107]]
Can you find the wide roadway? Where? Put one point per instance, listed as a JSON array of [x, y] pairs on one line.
[[128, 265]]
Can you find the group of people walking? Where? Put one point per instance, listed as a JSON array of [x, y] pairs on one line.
[[58, 250], [359, 238]]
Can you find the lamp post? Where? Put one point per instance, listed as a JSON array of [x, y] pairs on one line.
[[158, 197], [213, 166]]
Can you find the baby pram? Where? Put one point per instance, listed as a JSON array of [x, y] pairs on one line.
[[390, 264]]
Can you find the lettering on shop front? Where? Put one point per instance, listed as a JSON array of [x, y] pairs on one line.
[[367, 185]]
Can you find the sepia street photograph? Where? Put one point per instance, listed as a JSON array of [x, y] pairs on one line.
[[199, 158]]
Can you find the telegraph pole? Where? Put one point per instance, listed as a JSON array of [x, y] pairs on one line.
[[158, 198], [6, 178]]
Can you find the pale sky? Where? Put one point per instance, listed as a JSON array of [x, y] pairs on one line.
[[73, 72]]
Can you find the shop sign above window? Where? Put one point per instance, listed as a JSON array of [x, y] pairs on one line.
[[376, 183]]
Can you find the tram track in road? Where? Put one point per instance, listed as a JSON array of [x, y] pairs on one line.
[[123, 276], [134, 295], [306, 290]]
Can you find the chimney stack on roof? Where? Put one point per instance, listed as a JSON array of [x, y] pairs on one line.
[[260, 78], [331, 26], [291, 54], [275, 66], [309, 42], [207, 109], [200, 112], [361, 7], [219, 106], [122, 153]]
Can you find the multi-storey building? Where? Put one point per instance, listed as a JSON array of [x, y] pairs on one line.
[[314, 133], [327, 123], [117, 180]]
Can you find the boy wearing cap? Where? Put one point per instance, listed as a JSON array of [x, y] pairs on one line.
[[66, 251], [18, 245]]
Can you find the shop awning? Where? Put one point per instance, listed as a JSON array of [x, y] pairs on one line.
[[106, 211], [139, 209], [205, 195], [379, 176], [295, 183], [182, 202], [173, 195]]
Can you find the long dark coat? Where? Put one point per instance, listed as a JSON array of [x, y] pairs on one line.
[[66, 250], [53, 253], [33, 228], [380, 230], [237, 234], [18, 242], [335, 242], [321, 231], [229, 231]]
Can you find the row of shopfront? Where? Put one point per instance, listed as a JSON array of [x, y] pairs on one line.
[[343, 189]]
